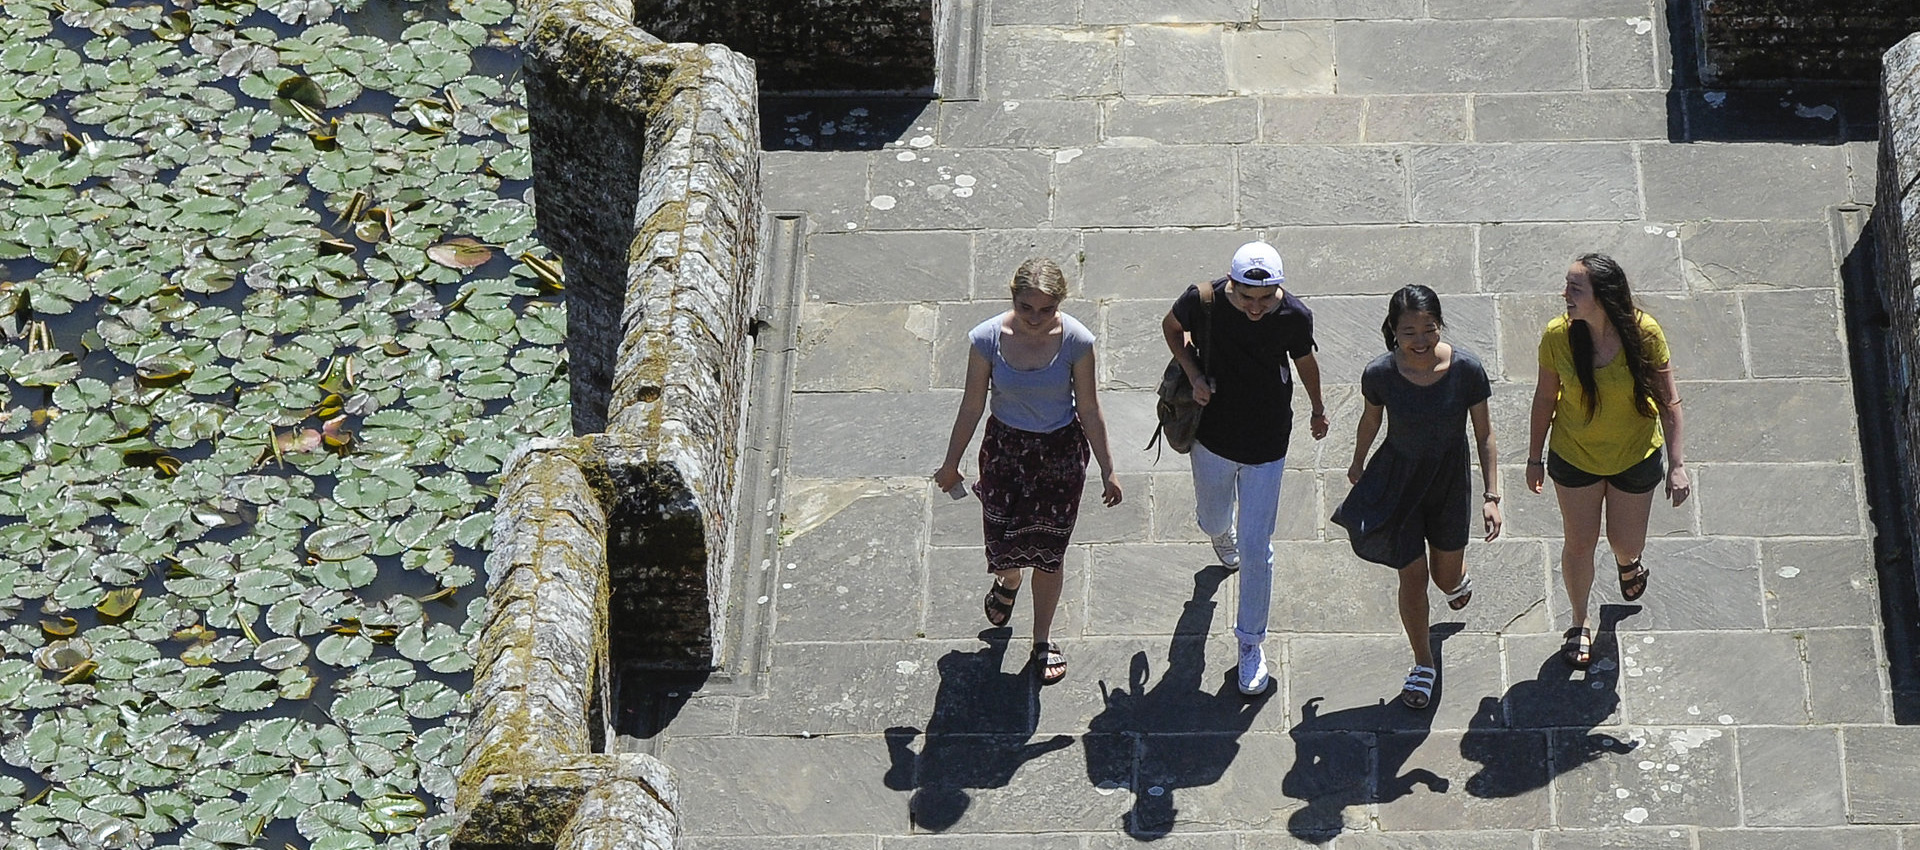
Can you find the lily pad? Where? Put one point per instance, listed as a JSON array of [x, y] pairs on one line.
[[461, 253]]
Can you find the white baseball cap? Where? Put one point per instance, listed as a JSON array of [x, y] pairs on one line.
[[1257, 264]]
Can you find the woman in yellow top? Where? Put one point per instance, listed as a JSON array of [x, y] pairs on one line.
[[1606, 391]]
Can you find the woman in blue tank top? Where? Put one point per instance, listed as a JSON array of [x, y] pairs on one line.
[[1035, 365]]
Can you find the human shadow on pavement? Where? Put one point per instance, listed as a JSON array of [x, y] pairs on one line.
[[975, 738], [1355, 756], [1176, 734], [1508, 736]]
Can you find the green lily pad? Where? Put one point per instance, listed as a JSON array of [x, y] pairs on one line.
[[339, 543]]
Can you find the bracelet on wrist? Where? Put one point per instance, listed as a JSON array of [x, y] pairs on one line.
[[1535, 462], [1491, 497]]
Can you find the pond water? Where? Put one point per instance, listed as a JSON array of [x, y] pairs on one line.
[[272, 313]]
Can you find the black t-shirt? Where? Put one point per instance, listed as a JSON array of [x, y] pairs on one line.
[[1250, 417]]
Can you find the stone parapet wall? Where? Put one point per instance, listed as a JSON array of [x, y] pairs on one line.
[[682, 361], [1783, 41], [811, 45], [646, 171], [612, 548], [540, 673], [1897, 215]]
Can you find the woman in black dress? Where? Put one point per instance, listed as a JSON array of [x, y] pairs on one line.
[[1411, 505]]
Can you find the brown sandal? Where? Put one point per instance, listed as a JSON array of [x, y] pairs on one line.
[[1053, 662], [1633, 580], [1000, 599], [1578, 650]]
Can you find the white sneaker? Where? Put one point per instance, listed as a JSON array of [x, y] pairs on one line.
[[1227, 549], [1253, 669]]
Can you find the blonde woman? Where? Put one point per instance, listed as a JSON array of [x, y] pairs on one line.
[[1035, 365]]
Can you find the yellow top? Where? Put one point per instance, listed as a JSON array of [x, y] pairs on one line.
[[1619, 435]]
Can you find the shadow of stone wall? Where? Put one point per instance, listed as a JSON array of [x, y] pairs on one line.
[[811, 45], [1783, 41]]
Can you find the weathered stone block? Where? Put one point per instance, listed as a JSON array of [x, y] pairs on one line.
[[1184, 121], [1533, 258], [1035, 62], [1386, 57], [1311, 120], [1883, 764], [1525, 182], [1818, 584], [1376, 260], [1705, 181], [1172, 60], [1322, 185], [1572, 116], [1791, 777], [1625, 53], [853, 268], [1757, 254], [1019, 123], [960, 190], [1295, 59], [1417, 118], [1701, 789], [1125, 187]]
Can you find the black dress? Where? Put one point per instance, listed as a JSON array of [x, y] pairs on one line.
[[1417, 488]]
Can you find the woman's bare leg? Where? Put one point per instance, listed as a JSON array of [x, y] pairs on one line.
[[1580, 525], [1413, 611], [1046, 598]]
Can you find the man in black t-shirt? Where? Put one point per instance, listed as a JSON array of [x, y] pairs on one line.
[[1245, 330]]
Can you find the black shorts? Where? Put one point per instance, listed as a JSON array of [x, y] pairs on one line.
[[1639, 478]]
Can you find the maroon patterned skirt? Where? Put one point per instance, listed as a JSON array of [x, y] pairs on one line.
[[1029, 491]]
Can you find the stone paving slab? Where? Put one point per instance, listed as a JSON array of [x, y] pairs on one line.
[[1312, 120], [1586, 116], [1183, 121], [1169, 60], [1883, 763], [1842, 689], [1140, 187], [1525, 182], [1798, 839], [1628, 53], [1533, 258], [1712, 181], [1395, 57], [1019, 123], [1322, 185], [1791, 777], [1757, 254]]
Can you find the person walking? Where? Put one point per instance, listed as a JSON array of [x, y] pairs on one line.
[[1036, 366], [1245, 328], [1411, 505], [1607, 394]]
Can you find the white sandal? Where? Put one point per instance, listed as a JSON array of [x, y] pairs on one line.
[[1458, 597], [1417, 693]]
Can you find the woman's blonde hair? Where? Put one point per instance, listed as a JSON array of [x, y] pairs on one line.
[[1041, 274]]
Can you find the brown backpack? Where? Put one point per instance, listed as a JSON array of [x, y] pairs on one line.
[[1179, 414]]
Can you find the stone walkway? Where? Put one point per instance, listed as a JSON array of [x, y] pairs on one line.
[[1472, 145]]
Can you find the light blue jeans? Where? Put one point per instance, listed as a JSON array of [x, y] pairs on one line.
[[1217, 484]]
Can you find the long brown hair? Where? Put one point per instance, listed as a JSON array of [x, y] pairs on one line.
[[1610, 290]]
